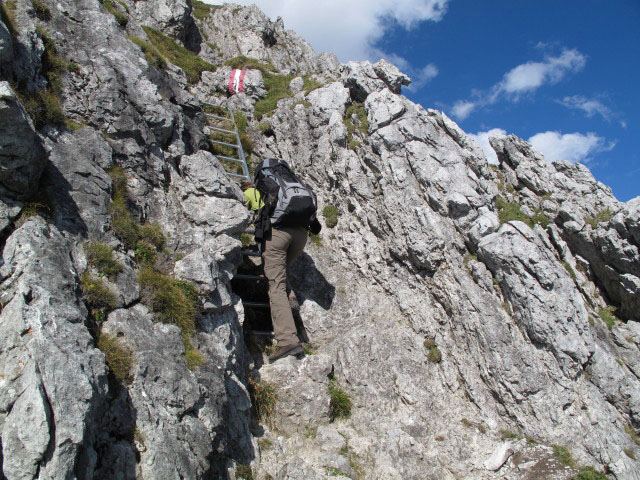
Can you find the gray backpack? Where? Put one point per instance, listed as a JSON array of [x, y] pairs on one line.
[[288, 201]]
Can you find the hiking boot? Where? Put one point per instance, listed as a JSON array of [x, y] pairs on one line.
[[282, 352]]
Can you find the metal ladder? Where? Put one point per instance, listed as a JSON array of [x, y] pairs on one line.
[[218, 124]]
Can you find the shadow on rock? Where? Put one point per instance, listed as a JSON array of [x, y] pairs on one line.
[[310, 284], [65, 212]]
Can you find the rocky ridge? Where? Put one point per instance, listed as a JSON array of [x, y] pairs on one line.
[[460, 306]]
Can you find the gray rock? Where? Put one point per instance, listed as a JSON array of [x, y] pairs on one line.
[[329, 99], [22, 156], [296, 85], [6, 44], [363, 78], [216, 84]]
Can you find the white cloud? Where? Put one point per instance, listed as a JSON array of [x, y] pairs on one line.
[[524, 78], [572, 147], [349, 29], [423, 76], [590, 106], [462, 109], [482, 138]]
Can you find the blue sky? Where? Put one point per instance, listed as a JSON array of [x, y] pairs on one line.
[[564, 75]]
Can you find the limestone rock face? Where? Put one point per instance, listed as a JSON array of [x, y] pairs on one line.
[[247, 31], [467, 340], [22, 155], [363, 78], [6, 44]]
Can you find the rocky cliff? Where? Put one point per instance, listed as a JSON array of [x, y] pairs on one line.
[[464, 320]]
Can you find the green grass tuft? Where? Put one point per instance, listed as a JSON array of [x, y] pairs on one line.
[[340, 402], [31, 209], [100, 256], [563, 455], [355, 109], [96, 293], [309, 348], [310, 84], [509, 435], [509, 211], [193, 357], [152, 234], [245, 63], [118, 358], [151, 53], [202, 10], [602, 216], [121, 18], [264, 397], [331, 214], [569, 270], [244, 472], [189, 62], [277, 88], [434, 355], [589, 473], [315, 239], [607, 315], [41, 9], [145, 253], [246, 239]]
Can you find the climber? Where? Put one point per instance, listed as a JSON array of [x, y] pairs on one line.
[[252, 198], [281, 231]]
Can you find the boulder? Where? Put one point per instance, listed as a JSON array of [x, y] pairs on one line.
[[363, 78]]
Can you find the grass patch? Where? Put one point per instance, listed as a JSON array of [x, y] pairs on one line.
[[246, 239], [193, 357], [315, 239], [355, 109], [118, 358], [434, 355], [100, 256], [97, 295], [310, 84], [309, 348], [331, 214], [202, 10], [277, 88], [602, 216], [264, 443], [121, 18], [151, 53], [41, 10], [563, 455], [607, 315], [8, 15], [265, 127], [509, 211], [509, 435], [265, 398], [244, 472], [245, 63], [632, 433], [569, 270], [589, 473], [340, 402], [32, 209]]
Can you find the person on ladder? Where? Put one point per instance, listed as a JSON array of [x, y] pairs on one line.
[[289, 211]]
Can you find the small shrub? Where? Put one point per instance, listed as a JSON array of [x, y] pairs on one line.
[[563, 455], [265, 398], [189, 62], [244, 472], [151, 53], [340, 402], [508, 211], [100, 256], [360, 113], [429, 343], [434, 355], [118, 358], [607, 315], [96, 293], [540, 218], [353, 144], [601, 216], [41, 9], [589, 473], [331, 214], [120, 17]]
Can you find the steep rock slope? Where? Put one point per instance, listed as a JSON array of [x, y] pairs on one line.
[[458, 306]]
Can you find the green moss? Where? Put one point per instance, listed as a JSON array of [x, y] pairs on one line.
[[120, 17], [331, 214], [353, 144], [189, 62], [563, 455], [118, 358], [340, 402], [100, 256], [607, 315], [202, 10], [151, 53], [41, 9], [589, 473], [265, 127], [602, 216], [277, 88], [264, 398], [96, 293], [430, 343]]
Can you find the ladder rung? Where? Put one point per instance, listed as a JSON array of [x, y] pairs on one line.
[[256, 304], [250, 232], [243, 276], [238, 175], [250, 253], [258, 332], [230, 159], [231, 132], [233, 145], [219, 117]]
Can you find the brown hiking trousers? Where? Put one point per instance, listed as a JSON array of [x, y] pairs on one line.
[[282, 247]]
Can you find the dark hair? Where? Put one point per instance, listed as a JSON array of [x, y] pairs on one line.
[[246, 185]]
